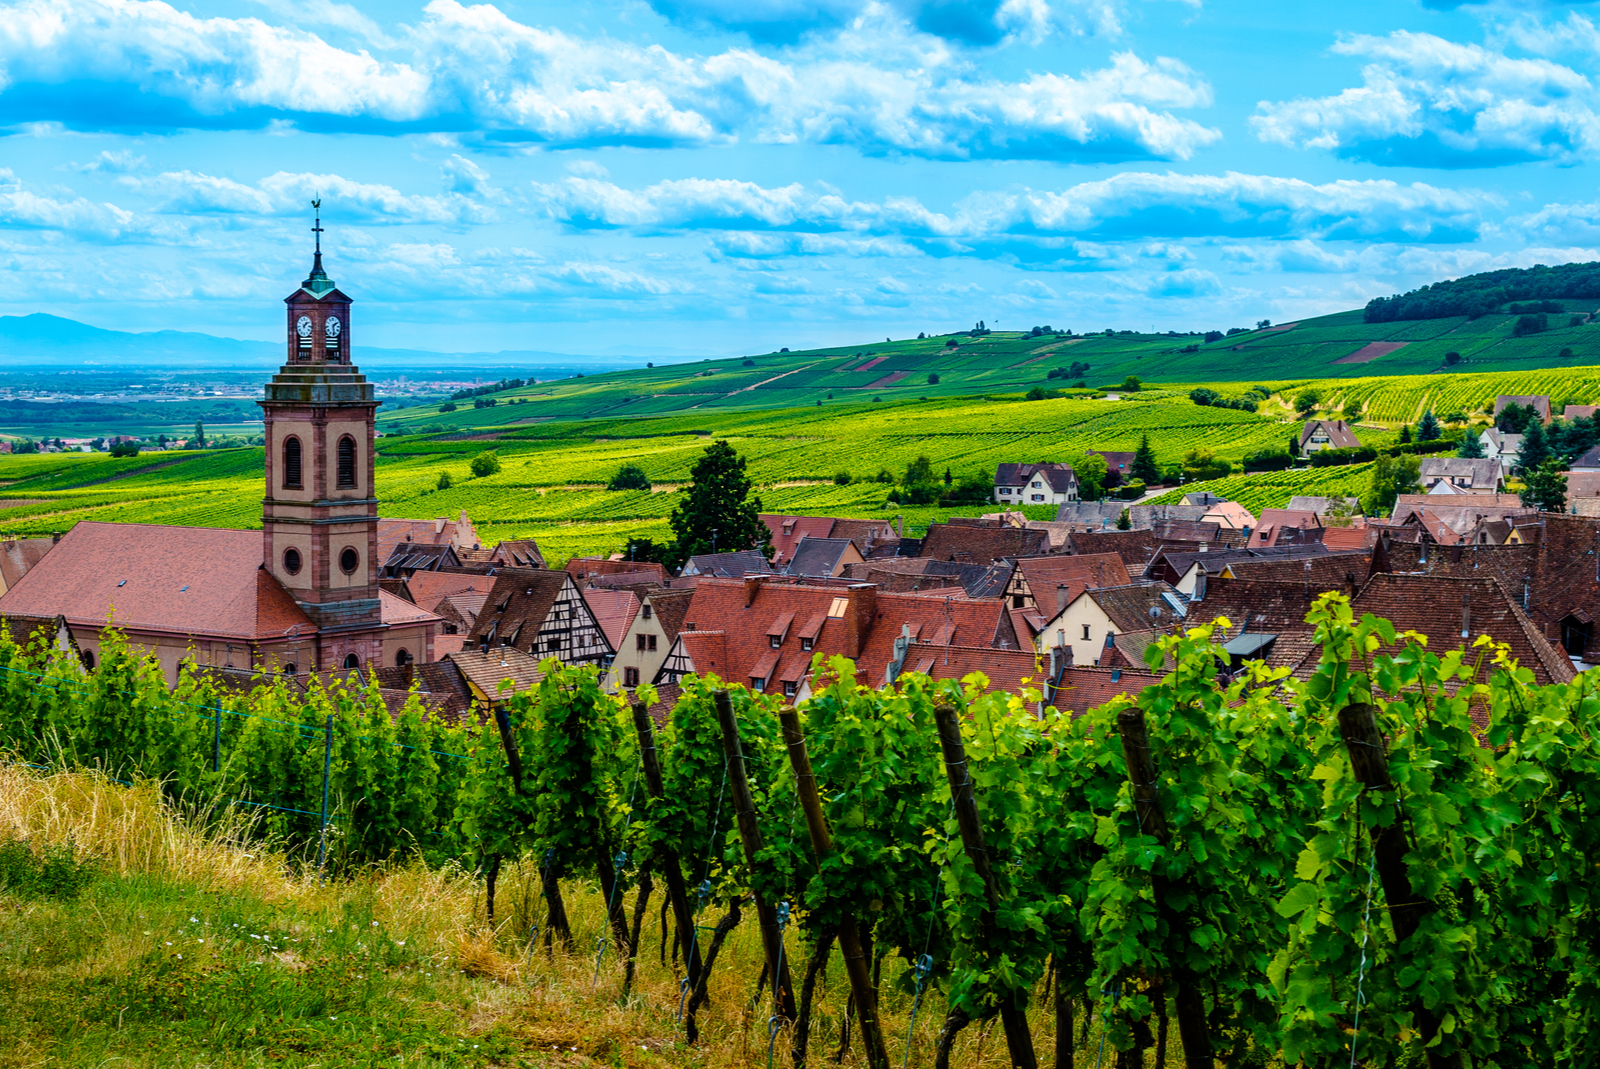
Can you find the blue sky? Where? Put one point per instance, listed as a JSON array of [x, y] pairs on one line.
[[728, 175]]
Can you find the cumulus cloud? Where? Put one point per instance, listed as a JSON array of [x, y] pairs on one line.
[[1429, 102], [142, 64], [969, 22], [1560, 222], [25, 208], [283, 193], [1125, 206]]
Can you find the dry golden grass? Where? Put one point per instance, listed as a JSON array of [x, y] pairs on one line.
[[554, 1009]]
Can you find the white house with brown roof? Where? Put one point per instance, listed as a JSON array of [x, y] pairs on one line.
[[643, 648], [1455, 475], [1035, 484], [1319, 434], [1097, 619]]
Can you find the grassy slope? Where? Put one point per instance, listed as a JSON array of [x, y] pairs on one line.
[[551, 483], [186, 950], [1011, 362]]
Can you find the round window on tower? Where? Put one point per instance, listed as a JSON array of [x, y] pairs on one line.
[[349, 560], [291, 561]]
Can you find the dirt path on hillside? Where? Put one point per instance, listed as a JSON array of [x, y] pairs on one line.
[[145, 470], [763, 382]]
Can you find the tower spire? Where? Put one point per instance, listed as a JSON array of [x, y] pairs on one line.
[[318, 282]]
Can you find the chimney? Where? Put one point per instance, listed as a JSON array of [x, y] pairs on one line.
[[862, 606], [1063, 592], [752, 587], [1205, 547], [1199, 591], [897, 662], [438, 525]]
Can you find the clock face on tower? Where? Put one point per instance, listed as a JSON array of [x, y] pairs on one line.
[[332, 327], [303, 327]]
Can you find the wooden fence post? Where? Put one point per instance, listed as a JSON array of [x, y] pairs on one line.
[[672, 868], [1358, 724], [1015, 1018], [1187, 998], [855, 960], [744, 810]]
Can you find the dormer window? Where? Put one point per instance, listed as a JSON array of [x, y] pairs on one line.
[[774, 641], [807, 643]]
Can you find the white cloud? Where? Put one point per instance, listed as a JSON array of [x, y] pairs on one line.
[[187, 192], [1127, 205], [119, 161], [24, 208], [1430, 102], [473, 69]]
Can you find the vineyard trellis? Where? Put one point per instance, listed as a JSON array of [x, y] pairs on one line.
[[1390, 859]]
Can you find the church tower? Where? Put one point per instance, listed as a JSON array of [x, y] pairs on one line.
[[320, 512]]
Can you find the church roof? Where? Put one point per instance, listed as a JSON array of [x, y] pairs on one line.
[[200, 581]]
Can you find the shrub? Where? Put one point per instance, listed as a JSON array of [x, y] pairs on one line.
[[1268, 460], [445, 482], [629, 477], [1201, 395], [952, 344], [1334, 458], [933, 379], [1306, 402], [125, 449], [1132, 384], [485, 464], [844, 478], [1131, 490], [53, 872], [1452, 358], [1576, 321], [1566, 351], [1039, 393], [1530, 324], [748, 362], [448, 406], [1213, 335]]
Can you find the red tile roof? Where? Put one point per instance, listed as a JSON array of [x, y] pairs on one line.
[[787, 531], [646, 571], [973, 542], [427, 589], [615, 609], [175, 580], [397, 612], [1077, 573], [1086, 687]]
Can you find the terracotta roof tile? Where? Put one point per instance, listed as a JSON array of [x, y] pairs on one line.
[[427, 589], [615, 609], [485, 671], [645, 571], [187, 580], [17, 557], [397, 612], [972, 543]]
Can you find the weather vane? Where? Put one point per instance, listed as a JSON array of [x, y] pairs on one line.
[[316, 227]]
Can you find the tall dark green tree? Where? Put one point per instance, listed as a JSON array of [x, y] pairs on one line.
[[1471, 446], [1405, 434], [1546, 487], [718, 500], [199, 434], [1144, 466], [1428, 427], [1535, 448]]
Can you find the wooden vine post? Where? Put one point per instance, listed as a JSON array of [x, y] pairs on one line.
[[1012, 1014], [1358, 724], [855, 958], [677, 892], [1188, 999], [744, 811]]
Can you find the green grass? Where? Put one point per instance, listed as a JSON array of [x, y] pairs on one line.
[[132, 938]]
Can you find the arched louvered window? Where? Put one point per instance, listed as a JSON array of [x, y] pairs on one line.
[[291, 464], [347, 462]]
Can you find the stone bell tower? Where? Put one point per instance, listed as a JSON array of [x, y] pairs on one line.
[[320, 512]]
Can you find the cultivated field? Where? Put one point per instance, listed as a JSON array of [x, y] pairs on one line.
[[551, 486]]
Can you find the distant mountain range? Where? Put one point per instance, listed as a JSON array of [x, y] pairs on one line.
[[47, 340]]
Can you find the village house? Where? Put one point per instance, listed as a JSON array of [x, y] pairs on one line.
[[871, 537], [1455, 475], [1097, 620], [822, 558], [1540, 403], [1035, 484], [300, 595], [1320, 434], [543, 614], [1502, 446], [727, 565], [644, 646]]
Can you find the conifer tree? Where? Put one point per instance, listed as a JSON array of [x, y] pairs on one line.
[[1144, 466], [717, 506], [1535, 448], [1471, 446], [1428, 427]]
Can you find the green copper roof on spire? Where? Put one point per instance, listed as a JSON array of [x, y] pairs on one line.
[[319, 282]]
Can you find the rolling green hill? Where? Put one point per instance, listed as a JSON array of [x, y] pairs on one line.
[[1334, 347]]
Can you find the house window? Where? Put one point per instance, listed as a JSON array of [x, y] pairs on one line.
[[352, 661], [652, 639], [807, 643], [403, 658], [291, 561], [1006, 490], [775, 641], [647, 612], [1085, 631], [349, 560], [638, 643], [630, 677], [347, 462], [1038, 497], [789, 689], [757, 684], [451, 629], [291, 464]]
